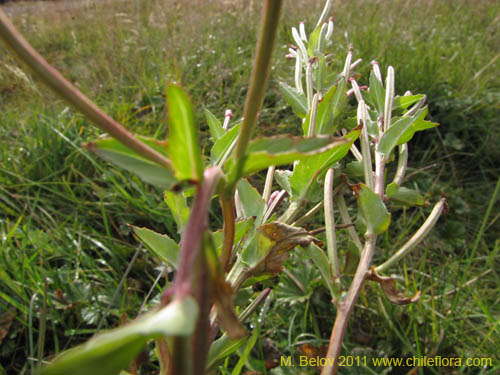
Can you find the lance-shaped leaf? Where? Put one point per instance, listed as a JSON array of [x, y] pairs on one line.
[[269, 248], [113, 151], [321, 262], [404, 196], [214, 125], [264, 152], [223, 145], [182, 140], [305, 172], [111, 352], [373, 210], [400, 132], [419, 125], [252, 203], [295, 99], [222, 348], [314, 41], [388, 285], [178, 207], [402, 102], [329, 109], [283, 179], [161, 245], [377, 93]]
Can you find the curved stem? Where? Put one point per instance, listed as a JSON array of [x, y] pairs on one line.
[[52, 78], [416, 238]]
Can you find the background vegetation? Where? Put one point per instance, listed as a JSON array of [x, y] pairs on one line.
[[64, 239]]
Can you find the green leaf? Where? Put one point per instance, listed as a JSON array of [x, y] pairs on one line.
[[161, 245], [182, 141], [295, 99], [399, 132], [241, 229], [246, 352], [329, 110], [223, 144], [264, 152], [373, 210], [113, 151], [403, 102], [321, 262], [377, 93], [404, 196], [214, 125], [252, 203], [306, 171], [314, 41], [111, 352], [283, 179], [222, 348], [354, 169], [178, 207], [419, 125]]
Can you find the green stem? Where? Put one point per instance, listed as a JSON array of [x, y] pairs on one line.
[[258, 81], [52, 78]]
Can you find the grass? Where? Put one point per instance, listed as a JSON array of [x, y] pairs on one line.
[[64, 214]]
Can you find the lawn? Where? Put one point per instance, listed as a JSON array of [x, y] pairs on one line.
[[64, 214]]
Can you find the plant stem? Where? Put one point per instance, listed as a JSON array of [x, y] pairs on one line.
[[345, 308], [193, 233], [52, 78], [258, 81]]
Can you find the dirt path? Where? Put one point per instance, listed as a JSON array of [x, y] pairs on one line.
[[20, 8]]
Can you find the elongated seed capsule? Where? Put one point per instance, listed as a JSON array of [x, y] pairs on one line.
[[309, 84], [347, 65], [365, 145], [389, 97], [357, 90], [324, 13], [227, 117], [329, 31], [321, 37], [299, 42], [376, 70], [416, 107], [298, 72], [314, 113], [355, 64], [302, 30]]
